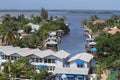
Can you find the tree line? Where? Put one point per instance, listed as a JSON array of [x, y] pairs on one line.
[[108, 45], [11, 24]]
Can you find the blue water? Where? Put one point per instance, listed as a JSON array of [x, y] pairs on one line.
[[74, 42]]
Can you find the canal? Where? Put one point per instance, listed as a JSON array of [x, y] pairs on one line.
[[74, 42]]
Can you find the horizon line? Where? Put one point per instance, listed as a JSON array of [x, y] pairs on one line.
[[67, 9]]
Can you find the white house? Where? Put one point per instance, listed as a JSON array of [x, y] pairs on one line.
[[56, 62], [34, 26], [47, 59], [79, 67], [51, 45], [82, 60], [52, 34]]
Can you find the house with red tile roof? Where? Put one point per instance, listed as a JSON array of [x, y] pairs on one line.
[[98, 21], [114, 30]]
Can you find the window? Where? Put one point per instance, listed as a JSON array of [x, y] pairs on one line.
[[33, 59], [15, 57], [12, 57], [52, 60], [2, 56], [5, 57], [36, 59], [45, 60], [79, 66], [47, 67], [40, 60], [49, 60], [51, 68]]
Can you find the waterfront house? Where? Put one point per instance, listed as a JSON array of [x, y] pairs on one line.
[[47, 59], [86, 30], [34, 26], [89, 46], [53, 39], [88, 40], [79, 68], [81, 60], [113, 30], [59, 33], [56, 39], [51, 45], [98, 21], [52, 34]]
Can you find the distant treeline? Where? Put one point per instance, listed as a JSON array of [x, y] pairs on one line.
[[94, 11], [19, 10], [69, 11]]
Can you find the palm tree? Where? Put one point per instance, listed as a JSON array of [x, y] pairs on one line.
[[95, 17], [44, 14], [8, 68], [84, 22], [8, 36], [19, 68], [100, 68], [116, 65]]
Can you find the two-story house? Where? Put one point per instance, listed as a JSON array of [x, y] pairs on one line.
[[47, 59], [79, 67]]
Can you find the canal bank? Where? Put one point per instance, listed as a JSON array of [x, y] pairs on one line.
[[75, 41]]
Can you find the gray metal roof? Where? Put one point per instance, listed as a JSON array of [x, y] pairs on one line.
[[81, 71], [92, 43], [45, 53], [52, 33], [61, 54], [81, 56], [89, 39], [51, 42], [10, 50]]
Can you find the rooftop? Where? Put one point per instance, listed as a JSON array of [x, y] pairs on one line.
[[10, 50], [114, 30], [83, 71], [82, 56], [99, 21]]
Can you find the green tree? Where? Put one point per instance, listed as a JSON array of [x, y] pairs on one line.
[[51, 18], [3, 76], [42, 75], [95, 17], [44, 14], [116, 65], [100, 68], [19, 68], [84, 22], [27, 29]]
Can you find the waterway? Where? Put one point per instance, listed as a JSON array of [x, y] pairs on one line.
[[74, 42]]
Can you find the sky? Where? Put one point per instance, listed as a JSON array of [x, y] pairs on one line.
[[61, 4]]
